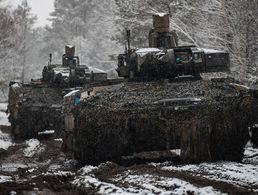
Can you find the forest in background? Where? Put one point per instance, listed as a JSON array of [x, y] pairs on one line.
[[96, 28]]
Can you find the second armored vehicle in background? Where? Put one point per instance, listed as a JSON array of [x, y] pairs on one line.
[[71, 72], [36, 108]]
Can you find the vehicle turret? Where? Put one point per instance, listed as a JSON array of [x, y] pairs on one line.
[[165, 59]]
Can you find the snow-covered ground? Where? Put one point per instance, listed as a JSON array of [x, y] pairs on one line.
[[5, 141], [243, 175], [11, 167], [4, 119], [130, 183], [4, 179], [251, 155], [34, 147], [162, 185], [3, 106]]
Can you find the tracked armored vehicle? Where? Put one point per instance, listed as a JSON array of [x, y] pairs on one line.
[[70, 72], [204, 120], [36, 109], [154, 116]]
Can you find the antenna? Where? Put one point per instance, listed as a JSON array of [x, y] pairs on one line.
[[128, 36], [50, 59], [126, 50]]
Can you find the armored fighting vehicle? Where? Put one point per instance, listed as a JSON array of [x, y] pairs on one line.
[[36, 109], [151, 116], [70, 72]]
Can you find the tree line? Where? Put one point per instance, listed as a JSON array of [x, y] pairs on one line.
[[97, 29]]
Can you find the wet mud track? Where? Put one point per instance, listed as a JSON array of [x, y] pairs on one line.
[[110, 178]]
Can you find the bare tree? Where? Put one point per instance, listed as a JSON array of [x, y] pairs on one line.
[[85, 23], [219, 24], [23, 24], [6, 43]]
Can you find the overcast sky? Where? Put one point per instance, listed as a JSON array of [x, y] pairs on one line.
[[41, 8]]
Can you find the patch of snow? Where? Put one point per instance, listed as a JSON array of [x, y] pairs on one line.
[[13, 167], [209, 51], [5, 141], [59, 140], [176, 151], [86, 179], [161, 14], [15, 85], [34, 147], [244, 175], [95, 70], [4, 119], [255, 126], [4, 179], [250, 151], [58, 173], [103, 187], [31, 170], [151, 184], [148, 50], [142, 184], [47, 132], [138, 184], [72, 93], [249, 144], [87, 169], [3, 106], [13, 193], [239, 87], [54, 167], [251, 155]]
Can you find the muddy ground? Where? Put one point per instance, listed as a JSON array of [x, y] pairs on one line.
[[39, 167]]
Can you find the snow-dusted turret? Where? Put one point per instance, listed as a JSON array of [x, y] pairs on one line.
[[165, 59], [70, 72]]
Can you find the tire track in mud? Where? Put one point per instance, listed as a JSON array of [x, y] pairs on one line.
[[202, 182], [196, 180]]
